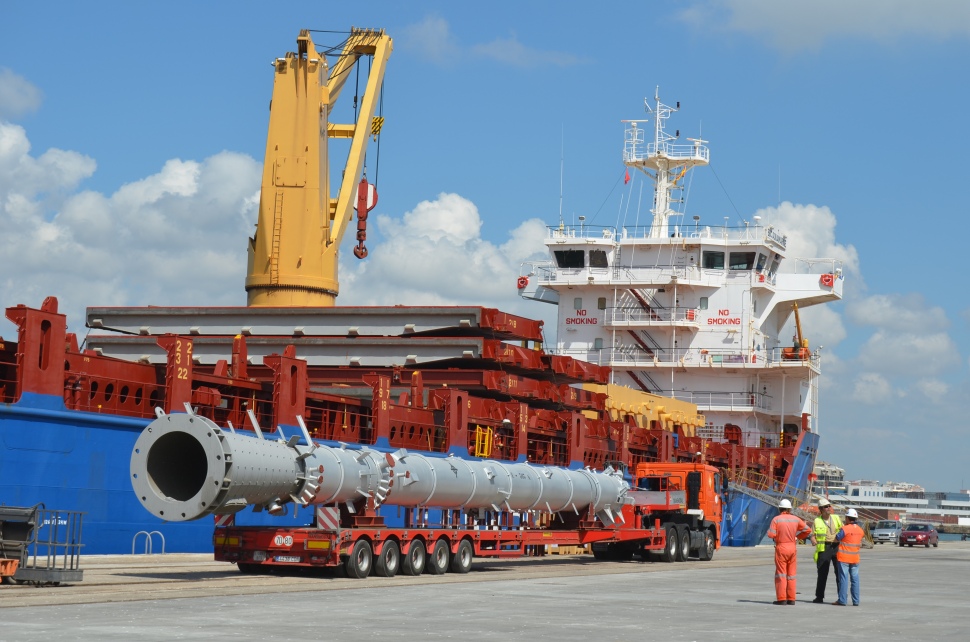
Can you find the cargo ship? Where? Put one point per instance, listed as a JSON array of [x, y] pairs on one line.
[[650, 306], [693, 312]]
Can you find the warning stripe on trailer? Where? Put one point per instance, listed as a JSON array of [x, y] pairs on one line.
[[225, 521], [328, 518]]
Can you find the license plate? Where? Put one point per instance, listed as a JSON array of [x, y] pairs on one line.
[[287, 558]]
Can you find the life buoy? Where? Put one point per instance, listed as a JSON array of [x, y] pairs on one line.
[[522, 282], [828, 280]]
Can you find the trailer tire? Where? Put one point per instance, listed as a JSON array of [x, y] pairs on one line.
[[461, 561], [389, 561], [669, 553], [358, 564], [683, 543], [706, 552], [412, 563], [439, 558], [252, 569]]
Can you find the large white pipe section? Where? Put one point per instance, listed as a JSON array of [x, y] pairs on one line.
[[185, 467]]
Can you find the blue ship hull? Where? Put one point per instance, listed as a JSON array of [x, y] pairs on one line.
[[79, 461], [746, 518]]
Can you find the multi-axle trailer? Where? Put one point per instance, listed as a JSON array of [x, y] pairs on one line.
[[186, 467]]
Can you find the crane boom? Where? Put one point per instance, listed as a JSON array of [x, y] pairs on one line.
[[292, 258]]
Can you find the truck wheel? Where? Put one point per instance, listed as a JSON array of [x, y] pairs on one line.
[[439, 558], [461, 561], [389, 561], [706, 551], [358, 563], [669, 553], [683, 543], [252, 569], [413, 562]]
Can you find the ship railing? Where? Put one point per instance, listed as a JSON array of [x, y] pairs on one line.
[[637, 315], [755, 482], [634, 151], [817, 266], [722, 400], [581, 231], [540, 271], [635, 356], [749, 438]]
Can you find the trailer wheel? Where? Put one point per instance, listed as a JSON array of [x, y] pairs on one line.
[[461, 561], [706, 551], [253, 569], [439, 558], [683, 543], [358, 563], [412, 563], [669, 553], [389, 561]]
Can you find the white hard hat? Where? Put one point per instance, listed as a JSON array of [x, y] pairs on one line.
[[822, 503], [784, 504], [851, 513]]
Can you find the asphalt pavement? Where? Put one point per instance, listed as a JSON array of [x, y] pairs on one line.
[[907, 594]]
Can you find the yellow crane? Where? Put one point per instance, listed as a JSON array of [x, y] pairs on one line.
[[800, 349], [292, 259]]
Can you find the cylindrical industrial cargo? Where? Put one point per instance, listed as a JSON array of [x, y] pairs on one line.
[[185, 467]]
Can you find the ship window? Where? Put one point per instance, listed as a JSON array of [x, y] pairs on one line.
[[601, 303], [569, 258], [578, 303], [762, 259], [597, 344], [703, 303], [741, 261], [774, 264], [597, 259], [714, 260]]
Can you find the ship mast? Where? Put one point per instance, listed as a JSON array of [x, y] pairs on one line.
[[664, 162]]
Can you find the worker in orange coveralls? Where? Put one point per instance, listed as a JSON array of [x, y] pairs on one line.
[[786, 529]]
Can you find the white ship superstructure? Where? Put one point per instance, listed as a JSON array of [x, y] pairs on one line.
[[694, 311]]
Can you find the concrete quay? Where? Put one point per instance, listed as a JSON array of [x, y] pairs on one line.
[[907, 593]]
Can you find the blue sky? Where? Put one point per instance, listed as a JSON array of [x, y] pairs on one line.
[[132, 136]]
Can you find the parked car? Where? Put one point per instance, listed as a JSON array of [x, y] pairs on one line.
[[887, 530], [918, 534]]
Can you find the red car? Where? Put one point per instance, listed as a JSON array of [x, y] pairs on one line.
[[919, 534]]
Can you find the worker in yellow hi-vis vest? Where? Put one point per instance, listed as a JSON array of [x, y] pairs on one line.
[[826, 526]]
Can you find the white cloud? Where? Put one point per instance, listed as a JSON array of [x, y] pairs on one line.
[[22, 175], [176, 237], [434, 255], [823, 326], [871, 388], [811, 234], [433, 40], [796, 26], [512, 52], [17, 95], [935, 389], [909, 354], [899, 312]]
